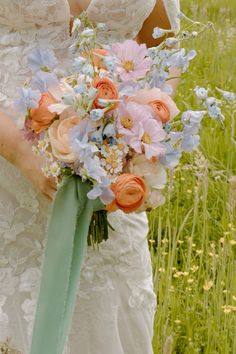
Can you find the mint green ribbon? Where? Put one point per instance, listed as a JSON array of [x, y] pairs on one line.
[[66, 244]]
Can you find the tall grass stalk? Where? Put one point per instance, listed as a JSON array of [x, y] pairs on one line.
[[193, 236]]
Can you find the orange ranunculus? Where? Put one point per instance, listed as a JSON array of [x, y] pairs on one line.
[[41, 117], [164, 108], [59, 138], [106, 90], [130, 193], [97, 57], [161, 110]]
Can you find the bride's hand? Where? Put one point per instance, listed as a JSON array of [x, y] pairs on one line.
[[31, 166]]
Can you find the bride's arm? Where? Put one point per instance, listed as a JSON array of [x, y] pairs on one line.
[[158, 18], [18, 151]]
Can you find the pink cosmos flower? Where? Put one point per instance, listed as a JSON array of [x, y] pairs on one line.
[[132, 60], [130, 114], [148, 139]]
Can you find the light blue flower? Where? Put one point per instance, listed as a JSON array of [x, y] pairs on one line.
[[192, 121], [201, 92], [212, 106], [92, 93], [214, 111], [170, 42], [28, 98], [227, 95], [109, 63], [79, 139], [158, 79], [190, 142], [87, 69], [81, 89], [158, 33], [87, 33], [128, 88], [103, 191], [41, 59], [180, 59], [190, 117], [109, 131], [78, 63], [152, 52], [94, 169], [43, 81], [96, 137], [97, 114], [171, 157]]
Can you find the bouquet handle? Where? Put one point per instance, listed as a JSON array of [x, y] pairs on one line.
[[65, 247]]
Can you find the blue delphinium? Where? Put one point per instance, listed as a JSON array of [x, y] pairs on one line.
[[42, 59], [180, 59], [28, 98], [171, 157], [43, 81]]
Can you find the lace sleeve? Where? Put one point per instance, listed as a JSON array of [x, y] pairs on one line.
[[173, 10]]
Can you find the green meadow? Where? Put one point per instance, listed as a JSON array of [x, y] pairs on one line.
[[193, 236]]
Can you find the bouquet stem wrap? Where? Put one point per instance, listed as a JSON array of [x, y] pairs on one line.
[[66, 244]]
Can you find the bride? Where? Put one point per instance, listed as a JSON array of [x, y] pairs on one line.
[[116, 302]]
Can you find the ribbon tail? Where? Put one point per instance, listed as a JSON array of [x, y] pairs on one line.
[[56, 270], [80, 245]]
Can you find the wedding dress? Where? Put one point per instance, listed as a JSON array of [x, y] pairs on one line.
[[116, 302]]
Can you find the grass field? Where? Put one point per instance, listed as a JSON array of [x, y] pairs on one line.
[[193, 236]]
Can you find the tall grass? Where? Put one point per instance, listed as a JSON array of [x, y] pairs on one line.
[[193, 236]]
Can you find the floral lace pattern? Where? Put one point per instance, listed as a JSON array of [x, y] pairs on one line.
[[116, 295]]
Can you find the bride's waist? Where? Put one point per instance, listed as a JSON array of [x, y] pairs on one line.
[[20, 36]]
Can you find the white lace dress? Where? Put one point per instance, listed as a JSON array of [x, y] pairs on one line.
[[116, 302]]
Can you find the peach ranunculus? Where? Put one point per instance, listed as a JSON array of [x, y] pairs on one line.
[[130, 193], [59, 138], [163, 107], [41, 116], [106, 90]]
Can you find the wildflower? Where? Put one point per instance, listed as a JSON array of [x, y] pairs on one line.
[[208, 285], [42, 59], [132, 60], [161, 270]]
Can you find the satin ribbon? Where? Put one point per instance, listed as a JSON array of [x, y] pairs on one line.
[[65, 247]]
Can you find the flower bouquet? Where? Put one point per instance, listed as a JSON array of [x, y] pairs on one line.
[[109, 130]]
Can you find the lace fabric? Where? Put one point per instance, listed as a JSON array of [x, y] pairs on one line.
[[116, 297]]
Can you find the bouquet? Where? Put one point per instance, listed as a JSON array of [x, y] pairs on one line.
[[109, 131]]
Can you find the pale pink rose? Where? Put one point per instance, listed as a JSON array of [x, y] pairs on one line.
[[59, 138], [153, 173], [163, 107]]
